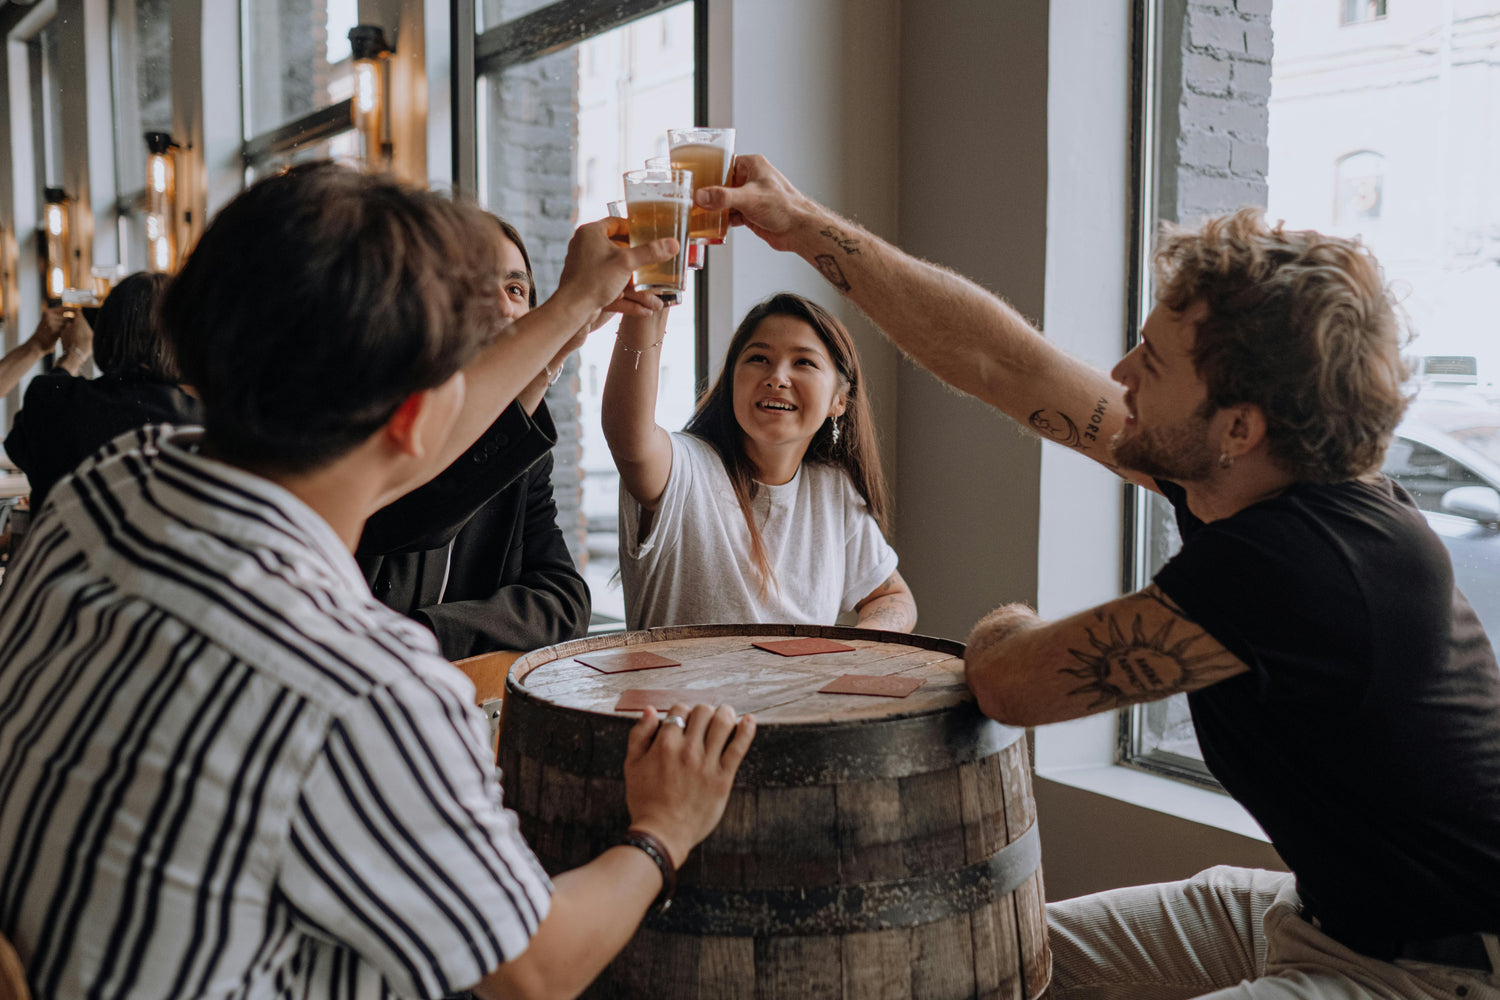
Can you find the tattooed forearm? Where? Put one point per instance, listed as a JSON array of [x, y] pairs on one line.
[[841, 241], [1122, 669], [829, 268], [893, 613], [1155, 593], [1056, 426], [1096, 421], [996, 627]]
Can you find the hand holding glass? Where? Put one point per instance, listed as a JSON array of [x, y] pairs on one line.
[[658, 203], [708, 154]]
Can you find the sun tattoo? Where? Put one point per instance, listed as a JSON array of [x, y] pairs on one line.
[[1127, 669]]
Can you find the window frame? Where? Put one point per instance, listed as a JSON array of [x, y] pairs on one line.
[[318, 125], [1137, 505], [541, 32]]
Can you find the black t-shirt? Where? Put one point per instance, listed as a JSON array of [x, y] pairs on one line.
[[1365, 738]]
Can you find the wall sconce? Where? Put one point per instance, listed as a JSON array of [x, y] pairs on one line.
[[56, 243], [161, 202], [371, 93]]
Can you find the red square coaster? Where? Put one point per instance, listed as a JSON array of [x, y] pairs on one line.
[[618, 661], [886, 687], [803, 647], [639, 699]]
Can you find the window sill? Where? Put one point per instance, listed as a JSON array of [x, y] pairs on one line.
[[1160, 794], [1080, 754]]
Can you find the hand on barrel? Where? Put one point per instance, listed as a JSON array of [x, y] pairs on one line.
[[678, 777], [598, 269]]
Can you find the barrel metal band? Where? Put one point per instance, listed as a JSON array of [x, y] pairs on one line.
[[849, 909]]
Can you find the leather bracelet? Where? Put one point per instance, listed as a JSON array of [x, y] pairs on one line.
[[657, 852]]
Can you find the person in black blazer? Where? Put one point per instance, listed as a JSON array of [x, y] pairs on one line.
[[65, 418], [476, 555]]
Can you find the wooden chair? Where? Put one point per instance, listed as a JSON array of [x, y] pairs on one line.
[[488, 672], [12, 975]]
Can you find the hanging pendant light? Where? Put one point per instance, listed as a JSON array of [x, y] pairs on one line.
[[371, 103], [56, 243], [161, 202]]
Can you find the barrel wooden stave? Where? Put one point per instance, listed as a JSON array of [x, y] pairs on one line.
[[789, 840]]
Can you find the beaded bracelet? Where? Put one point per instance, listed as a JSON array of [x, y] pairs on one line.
[[636, 351], [657, 852]]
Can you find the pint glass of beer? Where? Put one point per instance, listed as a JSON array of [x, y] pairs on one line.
[[708, 154], [658, 202]]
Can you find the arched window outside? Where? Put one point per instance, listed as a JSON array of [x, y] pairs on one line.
[[1359, 187]]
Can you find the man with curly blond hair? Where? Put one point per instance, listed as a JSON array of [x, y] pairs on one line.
[[1342, 688]]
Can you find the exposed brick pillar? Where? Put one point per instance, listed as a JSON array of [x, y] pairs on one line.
[[532, 130], [1215, 83]]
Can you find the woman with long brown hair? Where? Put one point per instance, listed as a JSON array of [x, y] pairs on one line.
[[770, 505]]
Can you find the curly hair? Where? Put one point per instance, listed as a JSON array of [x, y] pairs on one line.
[[1299, 324]]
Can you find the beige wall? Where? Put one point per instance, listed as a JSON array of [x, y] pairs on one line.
[[862, 103], [973, 80], [1092, 842]]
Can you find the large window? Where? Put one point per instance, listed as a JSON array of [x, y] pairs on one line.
[[1391, 144], [567, 98], [141, 57], [297, 83]]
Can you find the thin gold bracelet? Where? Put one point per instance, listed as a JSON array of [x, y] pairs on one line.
[[637, 352]]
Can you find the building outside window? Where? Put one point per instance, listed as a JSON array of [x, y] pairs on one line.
[[297, 71], [1356, 11], [141, 57], [1275, 110], [555, 132], [1358, 188]]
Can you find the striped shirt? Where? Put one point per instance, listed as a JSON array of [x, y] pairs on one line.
[[225, 769]]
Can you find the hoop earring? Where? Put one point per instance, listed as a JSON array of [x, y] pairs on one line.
[[835, 422]]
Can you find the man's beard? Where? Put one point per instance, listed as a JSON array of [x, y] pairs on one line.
[[1177, 452]]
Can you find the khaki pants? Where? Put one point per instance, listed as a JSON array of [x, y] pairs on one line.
[[1228, 934]]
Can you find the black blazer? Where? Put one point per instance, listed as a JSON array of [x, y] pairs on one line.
[[64, 419], [476, 555]]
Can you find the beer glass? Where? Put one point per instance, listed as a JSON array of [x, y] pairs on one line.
[[657, 203], [707, 153], [697, 250], [619, 210]]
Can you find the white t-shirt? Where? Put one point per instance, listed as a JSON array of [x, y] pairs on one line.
[[695, 567]]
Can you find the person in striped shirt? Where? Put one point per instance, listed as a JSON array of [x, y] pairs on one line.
[[225, 769]]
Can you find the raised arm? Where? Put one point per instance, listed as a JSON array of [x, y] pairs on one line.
[[642, 450], [1141, 647], [594, 275], [969, 338], [36, 347]]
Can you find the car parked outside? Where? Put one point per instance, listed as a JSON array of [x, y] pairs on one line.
[[1446, 453]]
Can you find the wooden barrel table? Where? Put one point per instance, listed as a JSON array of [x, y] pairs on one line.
[[873, 847]]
